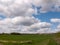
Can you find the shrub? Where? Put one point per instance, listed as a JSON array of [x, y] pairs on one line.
[[15, 33]]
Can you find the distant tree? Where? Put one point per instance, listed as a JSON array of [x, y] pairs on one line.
[[13, 33], [5, 33]]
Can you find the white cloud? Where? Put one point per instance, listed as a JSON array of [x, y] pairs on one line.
[[55, 20], [57, 28], [23, 24], [10, 24], [26, 20], [56, 23], [19, 17], [47, 5], [12, 8], [38, 27]]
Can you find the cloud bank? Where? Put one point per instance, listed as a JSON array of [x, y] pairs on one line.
[[19, 16]]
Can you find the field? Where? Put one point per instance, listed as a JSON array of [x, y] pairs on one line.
[[31, 39]]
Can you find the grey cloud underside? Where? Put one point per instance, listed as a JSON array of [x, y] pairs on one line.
[[24, 7], [19, 17]]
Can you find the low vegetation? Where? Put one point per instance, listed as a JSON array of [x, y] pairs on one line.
[[29, 39]]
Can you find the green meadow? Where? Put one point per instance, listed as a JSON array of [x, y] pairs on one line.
[[30, 39]]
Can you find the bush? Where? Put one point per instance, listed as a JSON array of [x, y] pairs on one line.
[[15, 33]]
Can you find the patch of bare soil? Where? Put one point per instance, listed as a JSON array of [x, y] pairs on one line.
[[57, 40], [6, 41], [45, 42], [1, 44]]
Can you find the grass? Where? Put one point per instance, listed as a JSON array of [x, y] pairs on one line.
[[31, 39]]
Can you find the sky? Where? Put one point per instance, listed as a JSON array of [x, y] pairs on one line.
[[29, 16], [47, 16]]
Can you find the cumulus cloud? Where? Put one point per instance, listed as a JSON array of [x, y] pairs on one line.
[[55, 20], [39, 25], [17, 22], [12, 8], [19, 16], [22, 24], [57, 28], [56, 23], [27, 21], [48, 5]]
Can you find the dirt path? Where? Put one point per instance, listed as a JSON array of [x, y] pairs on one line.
[[45, 42], [6, 41], [57, 40]]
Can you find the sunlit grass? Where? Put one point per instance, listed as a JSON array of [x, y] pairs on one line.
[[29, 39]]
